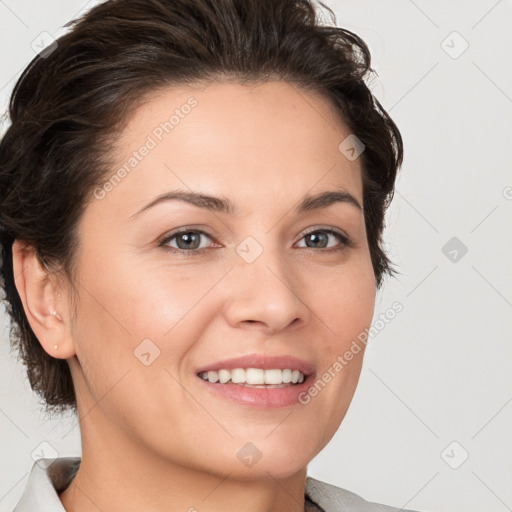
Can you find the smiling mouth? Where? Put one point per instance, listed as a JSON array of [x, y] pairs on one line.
[[255, 377]]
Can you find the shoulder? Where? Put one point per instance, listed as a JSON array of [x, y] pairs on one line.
[[332, 499], [47, 478]]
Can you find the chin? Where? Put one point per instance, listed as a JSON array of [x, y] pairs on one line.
[[278, 458], [265, 470]]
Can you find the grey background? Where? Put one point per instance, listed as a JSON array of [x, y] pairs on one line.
[[435, 385]]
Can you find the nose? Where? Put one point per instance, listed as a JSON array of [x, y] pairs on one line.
[[265, 296]]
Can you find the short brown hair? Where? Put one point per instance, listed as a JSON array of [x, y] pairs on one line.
[[70, 103]]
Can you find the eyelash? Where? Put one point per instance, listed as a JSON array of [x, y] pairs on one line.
[[345, 242]]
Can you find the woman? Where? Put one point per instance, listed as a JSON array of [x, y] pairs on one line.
[[191, 211]]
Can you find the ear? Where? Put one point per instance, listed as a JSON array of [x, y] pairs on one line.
[[47, 314]]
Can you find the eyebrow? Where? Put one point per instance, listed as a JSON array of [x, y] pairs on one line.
[[223, 205]]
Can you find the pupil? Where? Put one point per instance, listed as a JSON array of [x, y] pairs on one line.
[[315, 235], [189, 237]]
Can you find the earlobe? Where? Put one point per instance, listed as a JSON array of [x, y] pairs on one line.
[[41, 300]]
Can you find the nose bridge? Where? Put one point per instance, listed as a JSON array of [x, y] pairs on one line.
[[265, 290]]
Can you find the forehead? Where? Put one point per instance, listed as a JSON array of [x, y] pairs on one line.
[[235, 140]]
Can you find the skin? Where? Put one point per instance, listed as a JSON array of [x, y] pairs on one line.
[[152, 438]]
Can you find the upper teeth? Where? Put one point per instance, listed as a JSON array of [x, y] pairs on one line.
[[254, 376]]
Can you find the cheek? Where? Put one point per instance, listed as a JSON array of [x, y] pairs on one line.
[[139, 299], [159, 296], [123, 314], [344, 303], [345, 309]]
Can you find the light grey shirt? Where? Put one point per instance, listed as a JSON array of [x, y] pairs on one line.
[[50, 476]]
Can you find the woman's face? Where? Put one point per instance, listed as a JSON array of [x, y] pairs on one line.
[[267, 279]]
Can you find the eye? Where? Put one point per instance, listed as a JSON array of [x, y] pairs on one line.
[[187, 240], [319, 239]]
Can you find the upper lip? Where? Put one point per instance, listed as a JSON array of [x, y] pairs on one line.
[[265, 362]]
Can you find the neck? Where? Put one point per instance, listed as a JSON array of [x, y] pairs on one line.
[[118, 474]]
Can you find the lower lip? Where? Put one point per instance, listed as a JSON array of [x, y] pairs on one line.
[[265, 398]]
